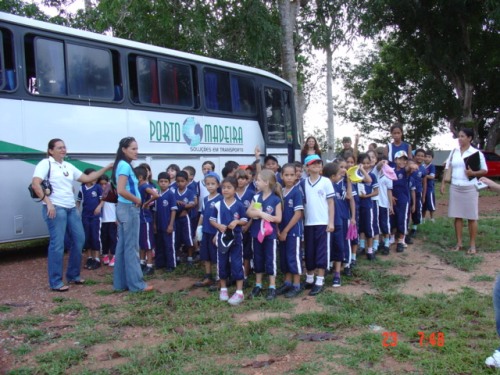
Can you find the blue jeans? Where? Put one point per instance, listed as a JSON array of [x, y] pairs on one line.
[[496, 303], [66, 218], [127, 273]]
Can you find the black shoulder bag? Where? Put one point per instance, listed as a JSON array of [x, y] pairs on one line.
[[46, 187]]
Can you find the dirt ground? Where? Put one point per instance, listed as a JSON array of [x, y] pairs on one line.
[[23, 287]]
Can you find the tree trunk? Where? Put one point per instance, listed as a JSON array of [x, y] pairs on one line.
[[329, 102], [493, 137], [288, 19]]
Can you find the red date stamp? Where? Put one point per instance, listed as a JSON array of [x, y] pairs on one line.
[[390, 339]]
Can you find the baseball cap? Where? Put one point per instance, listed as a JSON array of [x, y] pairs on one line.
[[312, 159], [214, 175], [226, 240], [400, 154]]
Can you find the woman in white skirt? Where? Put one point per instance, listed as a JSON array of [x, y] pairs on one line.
[[464, 196]]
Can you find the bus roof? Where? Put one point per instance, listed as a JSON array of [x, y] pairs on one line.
[[129, 43]]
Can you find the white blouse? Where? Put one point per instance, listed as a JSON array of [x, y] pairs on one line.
[[458, 176]]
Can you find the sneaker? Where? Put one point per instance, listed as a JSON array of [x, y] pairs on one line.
[[385, 250], [294, 292], [214, 287], [361, 251], [223, 296], [336, 282], [494, 360], [271, 294], [400, 248], [283, 289], [353, 263], [89, 263], [307, 285], [413, 233], [149, 271], [256, 291], [204, 283], [347, 272], [316, 289], [370, 256], [236, 299], [105, 260], [95, 265], [408, 240], [112, 262]]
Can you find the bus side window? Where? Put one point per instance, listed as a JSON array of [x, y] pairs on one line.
[[217, 90], [49, 65], [274, 115], [243, 95], [7, 65]]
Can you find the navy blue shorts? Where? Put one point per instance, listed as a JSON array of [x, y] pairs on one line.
[[231, 260], [208, 250], [290, 261], [165, 255], [384, 220], [146, 237], [183, 233], [366, 221], [317, 247], [430, 201], [376, 229], [92, 230], [337, 240], [264, 256], [399, 220], [416, 217]]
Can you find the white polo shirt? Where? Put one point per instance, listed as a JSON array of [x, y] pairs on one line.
[[62, 176], [458, 176], [316, 202]]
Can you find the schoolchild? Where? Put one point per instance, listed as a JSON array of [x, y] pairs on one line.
[[375, 222], [418, 180], [89, 197], [266, 212], [338, 253], [429, 200], [206, 167], [290, 233], [109, 229], [385, 207], [401, 199], [270, 162], [318, 223], [397, 144], [228, 216], [166, 208], [366, 191], [150, 175], [208, 249], [146, 233], [245, 193], [299, 171], [193, 185], [185, 201], [172, 171]]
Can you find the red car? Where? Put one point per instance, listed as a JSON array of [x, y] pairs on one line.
[[493, 163]]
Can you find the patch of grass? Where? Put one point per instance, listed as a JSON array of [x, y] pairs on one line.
[[22, 349], [59, 361], [482, 278], [5, 308], [69, 305], [29, 320], [104, 292]]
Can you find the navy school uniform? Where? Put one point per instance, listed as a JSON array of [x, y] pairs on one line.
[[246, 199], [430, 198], [90, 197], [340, 247], [393, 149], [355, 196], [366, 207], [264, 254], [416, 180], [183, 231], [290, 260], [193, 213], [165, 242], [224, 214], [208, 250], [146, 233], [375, 205], [401, 191]]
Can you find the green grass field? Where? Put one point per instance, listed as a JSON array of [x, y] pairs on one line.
[[384, 331]]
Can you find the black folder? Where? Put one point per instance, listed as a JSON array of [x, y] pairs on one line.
[[473, 162]]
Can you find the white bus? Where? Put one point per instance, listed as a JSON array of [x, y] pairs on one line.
[[91, 90]]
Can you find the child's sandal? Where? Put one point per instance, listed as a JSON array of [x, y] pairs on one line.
[[471, 251]]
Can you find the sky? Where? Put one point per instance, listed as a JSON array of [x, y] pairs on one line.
[[315, 115]]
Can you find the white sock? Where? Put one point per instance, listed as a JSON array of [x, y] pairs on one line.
[[320, 280], [309, 279]]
